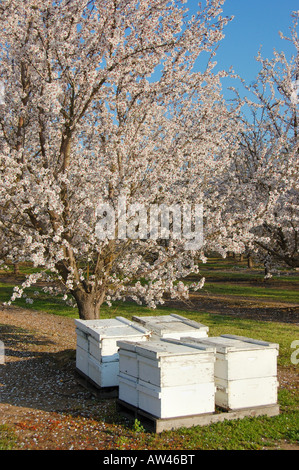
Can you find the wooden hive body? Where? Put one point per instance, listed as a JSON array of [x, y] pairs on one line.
[[245, 371], [166, 378]]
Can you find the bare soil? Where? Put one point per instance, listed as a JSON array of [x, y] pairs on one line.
[[41, 398], [241, 307]]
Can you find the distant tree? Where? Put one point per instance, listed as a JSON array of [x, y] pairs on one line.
[[265, 172]]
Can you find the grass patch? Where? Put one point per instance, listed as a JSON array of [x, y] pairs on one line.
[[43, 302], [244, 434]]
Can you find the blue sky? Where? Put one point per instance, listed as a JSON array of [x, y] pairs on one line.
[[256, 25]]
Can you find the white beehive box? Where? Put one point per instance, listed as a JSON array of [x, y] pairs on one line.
[[172, 326], [166, 378], [99, 337], [97, 351], [127, 390], [245, 371], [128, 360], [82, 351], [104, 374], [170, 364], [167, 363]]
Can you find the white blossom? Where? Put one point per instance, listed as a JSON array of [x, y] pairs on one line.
[[102, 101]]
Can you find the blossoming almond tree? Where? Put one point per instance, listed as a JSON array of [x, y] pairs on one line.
[[102, 100], [266, 197]]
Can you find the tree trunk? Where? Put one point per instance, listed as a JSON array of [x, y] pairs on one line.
[[16, 269], [89, 304]]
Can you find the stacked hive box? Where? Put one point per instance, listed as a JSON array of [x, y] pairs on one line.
[[167, 379], [172, 326], [97, 351], [245, 371]]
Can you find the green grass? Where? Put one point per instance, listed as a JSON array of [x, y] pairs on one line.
[[43, 302], [7, 438], [244, 434]]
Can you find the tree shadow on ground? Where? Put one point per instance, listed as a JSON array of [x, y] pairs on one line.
[[33, 377], [12, 336]]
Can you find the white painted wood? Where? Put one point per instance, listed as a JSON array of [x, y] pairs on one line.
[[104, 374], [82, 360], [246, 393], [128, 363], [167, 378], [156, 350], [252, 341], [246, 364], [128, 390], [230, 343], [172, 326], [104, 350], [170, 402], [95, 327], [167, 362], [106, 329], [82, 339], [98, 339], [171, 372], [95, 350], [241, 359]]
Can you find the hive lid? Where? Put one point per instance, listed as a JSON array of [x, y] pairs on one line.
[[127, 345], [162, 324], [252, 341], [118, 327], [163, 347], [229, 343]]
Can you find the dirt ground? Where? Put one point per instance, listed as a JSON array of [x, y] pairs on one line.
[[242, 307], [41, 396]]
